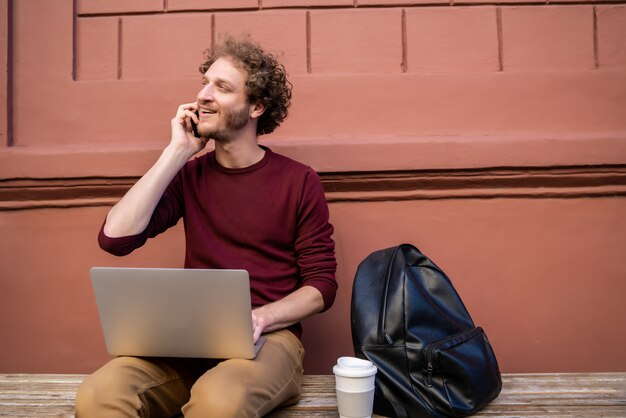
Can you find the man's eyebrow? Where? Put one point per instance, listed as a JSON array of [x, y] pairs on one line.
[[218, 80]]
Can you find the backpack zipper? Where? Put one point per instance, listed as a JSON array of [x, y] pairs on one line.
[[467, 335]]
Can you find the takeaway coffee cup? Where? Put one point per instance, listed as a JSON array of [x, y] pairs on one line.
[[354, 384]]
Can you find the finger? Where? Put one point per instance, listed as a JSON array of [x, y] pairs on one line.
[[256, 334], [189, 106], [187, 124], [187, 110], [185, 117], [256, 328], [188, 115]]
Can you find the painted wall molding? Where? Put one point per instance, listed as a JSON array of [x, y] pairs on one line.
[[542, 182]]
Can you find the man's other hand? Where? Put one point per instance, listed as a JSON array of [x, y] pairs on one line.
[[258, 326]]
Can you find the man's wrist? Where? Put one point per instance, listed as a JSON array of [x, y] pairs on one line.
[[178, 154]]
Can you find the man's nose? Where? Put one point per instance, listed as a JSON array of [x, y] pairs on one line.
[[206, 93]]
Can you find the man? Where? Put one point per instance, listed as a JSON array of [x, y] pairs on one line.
[[243, 207]]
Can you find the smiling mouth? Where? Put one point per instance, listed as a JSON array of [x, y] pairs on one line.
[[207, 112]]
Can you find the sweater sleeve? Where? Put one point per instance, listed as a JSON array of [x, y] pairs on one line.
[[166, 214], [315, 249]]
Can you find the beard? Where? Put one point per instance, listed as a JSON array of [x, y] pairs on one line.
[[233, 121]]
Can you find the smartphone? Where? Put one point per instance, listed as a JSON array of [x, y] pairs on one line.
[[194, 127]]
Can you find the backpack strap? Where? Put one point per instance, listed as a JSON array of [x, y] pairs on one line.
[[383, 336]]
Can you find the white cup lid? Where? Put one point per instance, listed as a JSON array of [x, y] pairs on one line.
[[354, 367], [353, 362]]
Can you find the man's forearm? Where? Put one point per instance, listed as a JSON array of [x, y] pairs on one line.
[[293, 308], [132, 213]]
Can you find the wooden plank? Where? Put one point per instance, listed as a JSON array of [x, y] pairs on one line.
[[39, 395], [523, 395]]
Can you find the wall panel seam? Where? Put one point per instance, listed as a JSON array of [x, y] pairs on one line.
[[408, 5], [405, 57], [119, 48], [309, 66], [75, 35], [10, 140], [596, 57], [499, 37]]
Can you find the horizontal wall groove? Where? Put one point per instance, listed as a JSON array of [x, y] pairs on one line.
[[528, 193], [561, 182], [477, 178], [165, 12], [544, 182], [359, 7]]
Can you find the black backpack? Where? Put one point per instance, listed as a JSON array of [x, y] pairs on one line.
[[409, 321]]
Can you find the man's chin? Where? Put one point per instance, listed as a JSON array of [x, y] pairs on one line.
[[217, 136]]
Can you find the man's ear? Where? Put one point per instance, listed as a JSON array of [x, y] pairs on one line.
[[256, 110]]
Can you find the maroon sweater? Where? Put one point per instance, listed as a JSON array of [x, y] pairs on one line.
[[270, 219]]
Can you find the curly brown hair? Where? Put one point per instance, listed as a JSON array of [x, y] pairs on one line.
[[267, 81]]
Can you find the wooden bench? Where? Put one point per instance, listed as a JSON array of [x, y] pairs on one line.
[[563, 395]]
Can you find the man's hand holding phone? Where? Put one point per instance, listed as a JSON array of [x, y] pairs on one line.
[[185, 129]]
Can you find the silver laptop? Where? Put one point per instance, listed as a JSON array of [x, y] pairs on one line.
[[175, 312]]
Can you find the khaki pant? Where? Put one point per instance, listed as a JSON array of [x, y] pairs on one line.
[[163, 387]]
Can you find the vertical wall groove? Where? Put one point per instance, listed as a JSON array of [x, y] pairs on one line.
[[212, 31], [405, 64], [309, 68], [596, 59], [10, 140], [500, 46], [119, 48], [74, 40]]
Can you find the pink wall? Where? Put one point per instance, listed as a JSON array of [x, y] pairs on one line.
[[492, 136]]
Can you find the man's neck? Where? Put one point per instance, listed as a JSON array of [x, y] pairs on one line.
[[241, 152]]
